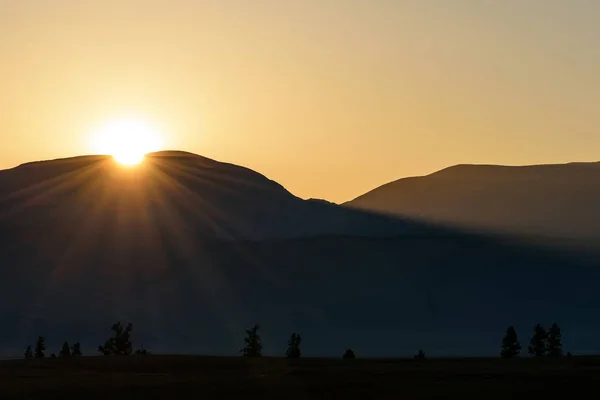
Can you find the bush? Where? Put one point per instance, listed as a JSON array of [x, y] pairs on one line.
[[420, 355], [348, 355]]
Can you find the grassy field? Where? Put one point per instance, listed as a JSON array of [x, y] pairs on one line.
[[197, 377]]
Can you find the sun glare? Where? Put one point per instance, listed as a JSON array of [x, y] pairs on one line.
[[128, 141]]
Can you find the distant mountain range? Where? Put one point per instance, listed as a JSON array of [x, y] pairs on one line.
[[193, 251], [548, 200]]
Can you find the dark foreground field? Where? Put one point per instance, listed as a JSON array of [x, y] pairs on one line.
[[193, 377]]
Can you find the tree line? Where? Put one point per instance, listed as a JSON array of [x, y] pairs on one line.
[[542, 343], [40, 348]]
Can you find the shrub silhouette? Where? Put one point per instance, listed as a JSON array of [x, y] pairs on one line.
[[420, 355], [40, 347], [293, 350], [141, 352], [554, 342], [510, 344], [65, 352], [538, 342], [348, 355], [120, 343], [76, 350], [52, 355], [253, 344], [28, 353]]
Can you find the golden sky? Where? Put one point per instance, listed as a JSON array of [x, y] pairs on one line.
[[330, 98]]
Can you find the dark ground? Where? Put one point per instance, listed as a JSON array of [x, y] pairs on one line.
[[194, 377]]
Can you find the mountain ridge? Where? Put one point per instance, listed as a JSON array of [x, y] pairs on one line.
[[465, 166], [219, 198], [546, 199]]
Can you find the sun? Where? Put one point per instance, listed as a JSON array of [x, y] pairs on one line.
[[127, 140]]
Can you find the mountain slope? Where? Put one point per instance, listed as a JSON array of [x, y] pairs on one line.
[[549, 200], [193, 251], [182, 191]]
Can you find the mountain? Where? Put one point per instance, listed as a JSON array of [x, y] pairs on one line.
[[546, 200], [193, 251], [189, 194]]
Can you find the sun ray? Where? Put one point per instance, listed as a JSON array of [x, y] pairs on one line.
[[191, 198], [47, 188], [214, 287], [194, 202], [64, 268]]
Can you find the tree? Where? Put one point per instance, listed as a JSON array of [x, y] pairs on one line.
[[40, 347], [253, 344], [28, 353], [348, 355], [293, 350], [120, 343], [420, 355], [65, 351], [107, 349], [76, 349], [554, 342], [52, 355], [510, 344], [538, 342]]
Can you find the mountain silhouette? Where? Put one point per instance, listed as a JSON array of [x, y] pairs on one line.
[[547, 200], [181, 191], [193, 251]]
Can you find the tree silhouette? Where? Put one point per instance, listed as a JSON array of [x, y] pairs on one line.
[[293, 350], [107, 349], [141, 351], [120, 343], [253, 344], [510, 344], [554, 341], [420, 355], [65, 352], [28, 353], [40, 347], [348, 355], [538, 342], [76, 349], [52, 355]]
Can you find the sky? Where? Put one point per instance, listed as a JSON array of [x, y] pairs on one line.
[[331, 98]]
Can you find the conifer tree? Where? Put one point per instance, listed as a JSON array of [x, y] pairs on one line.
[[40, 347], [76, 349], [120, 344], [538, 342], [510, 344], [293, 350], [554, 341], [28, 353], [253, 344], [65, 352]]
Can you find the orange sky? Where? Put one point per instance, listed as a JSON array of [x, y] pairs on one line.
[[330, 98]]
